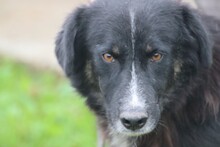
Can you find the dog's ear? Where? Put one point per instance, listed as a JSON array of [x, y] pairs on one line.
[[199, 34], [70, 43], [71, 49]]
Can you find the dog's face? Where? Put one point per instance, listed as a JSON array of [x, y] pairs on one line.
[[133, 62], [134, 57]]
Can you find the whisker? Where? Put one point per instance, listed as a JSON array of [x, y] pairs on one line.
[[161, 123]]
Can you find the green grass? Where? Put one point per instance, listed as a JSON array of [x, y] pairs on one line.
[[40, 109]]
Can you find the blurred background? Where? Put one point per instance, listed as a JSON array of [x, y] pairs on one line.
[[38, 106]]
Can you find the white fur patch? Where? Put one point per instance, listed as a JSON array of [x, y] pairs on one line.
[[133, 29], [135, 95], [135, 101], [119, 141]]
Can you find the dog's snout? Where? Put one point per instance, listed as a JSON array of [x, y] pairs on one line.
[[134, 121]]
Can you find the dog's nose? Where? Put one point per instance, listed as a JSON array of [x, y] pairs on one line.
[[134, 122]]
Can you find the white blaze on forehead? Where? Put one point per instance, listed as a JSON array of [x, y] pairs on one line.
[[133, 29], [136, 99], [134, 88]]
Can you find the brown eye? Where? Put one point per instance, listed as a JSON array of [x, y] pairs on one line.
[[108, 57], [156, 57]]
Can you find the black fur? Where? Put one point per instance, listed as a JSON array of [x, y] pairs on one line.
[[182, 92]]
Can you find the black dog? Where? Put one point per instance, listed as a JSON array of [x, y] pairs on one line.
[[150, 70]]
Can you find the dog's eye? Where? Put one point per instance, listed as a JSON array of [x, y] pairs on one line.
[[156, 57], [108, 58]]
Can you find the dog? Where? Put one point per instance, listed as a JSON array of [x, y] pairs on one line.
[[149, 69]]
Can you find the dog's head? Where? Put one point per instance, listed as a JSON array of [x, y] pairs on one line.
[[128, 57]]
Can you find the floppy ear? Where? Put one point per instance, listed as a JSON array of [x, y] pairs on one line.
[[70, 43], [71, 49], [198, 32]]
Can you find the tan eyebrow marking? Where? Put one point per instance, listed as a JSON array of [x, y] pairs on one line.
[[115, 50], [149, 48]]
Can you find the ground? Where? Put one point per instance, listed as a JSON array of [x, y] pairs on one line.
[[40, 109]]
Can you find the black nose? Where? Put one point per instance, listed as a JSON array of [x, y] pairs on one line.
[[134, 123]]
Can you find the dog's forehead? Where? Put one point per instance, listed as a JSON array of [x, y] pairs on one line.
[[120, 21]]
